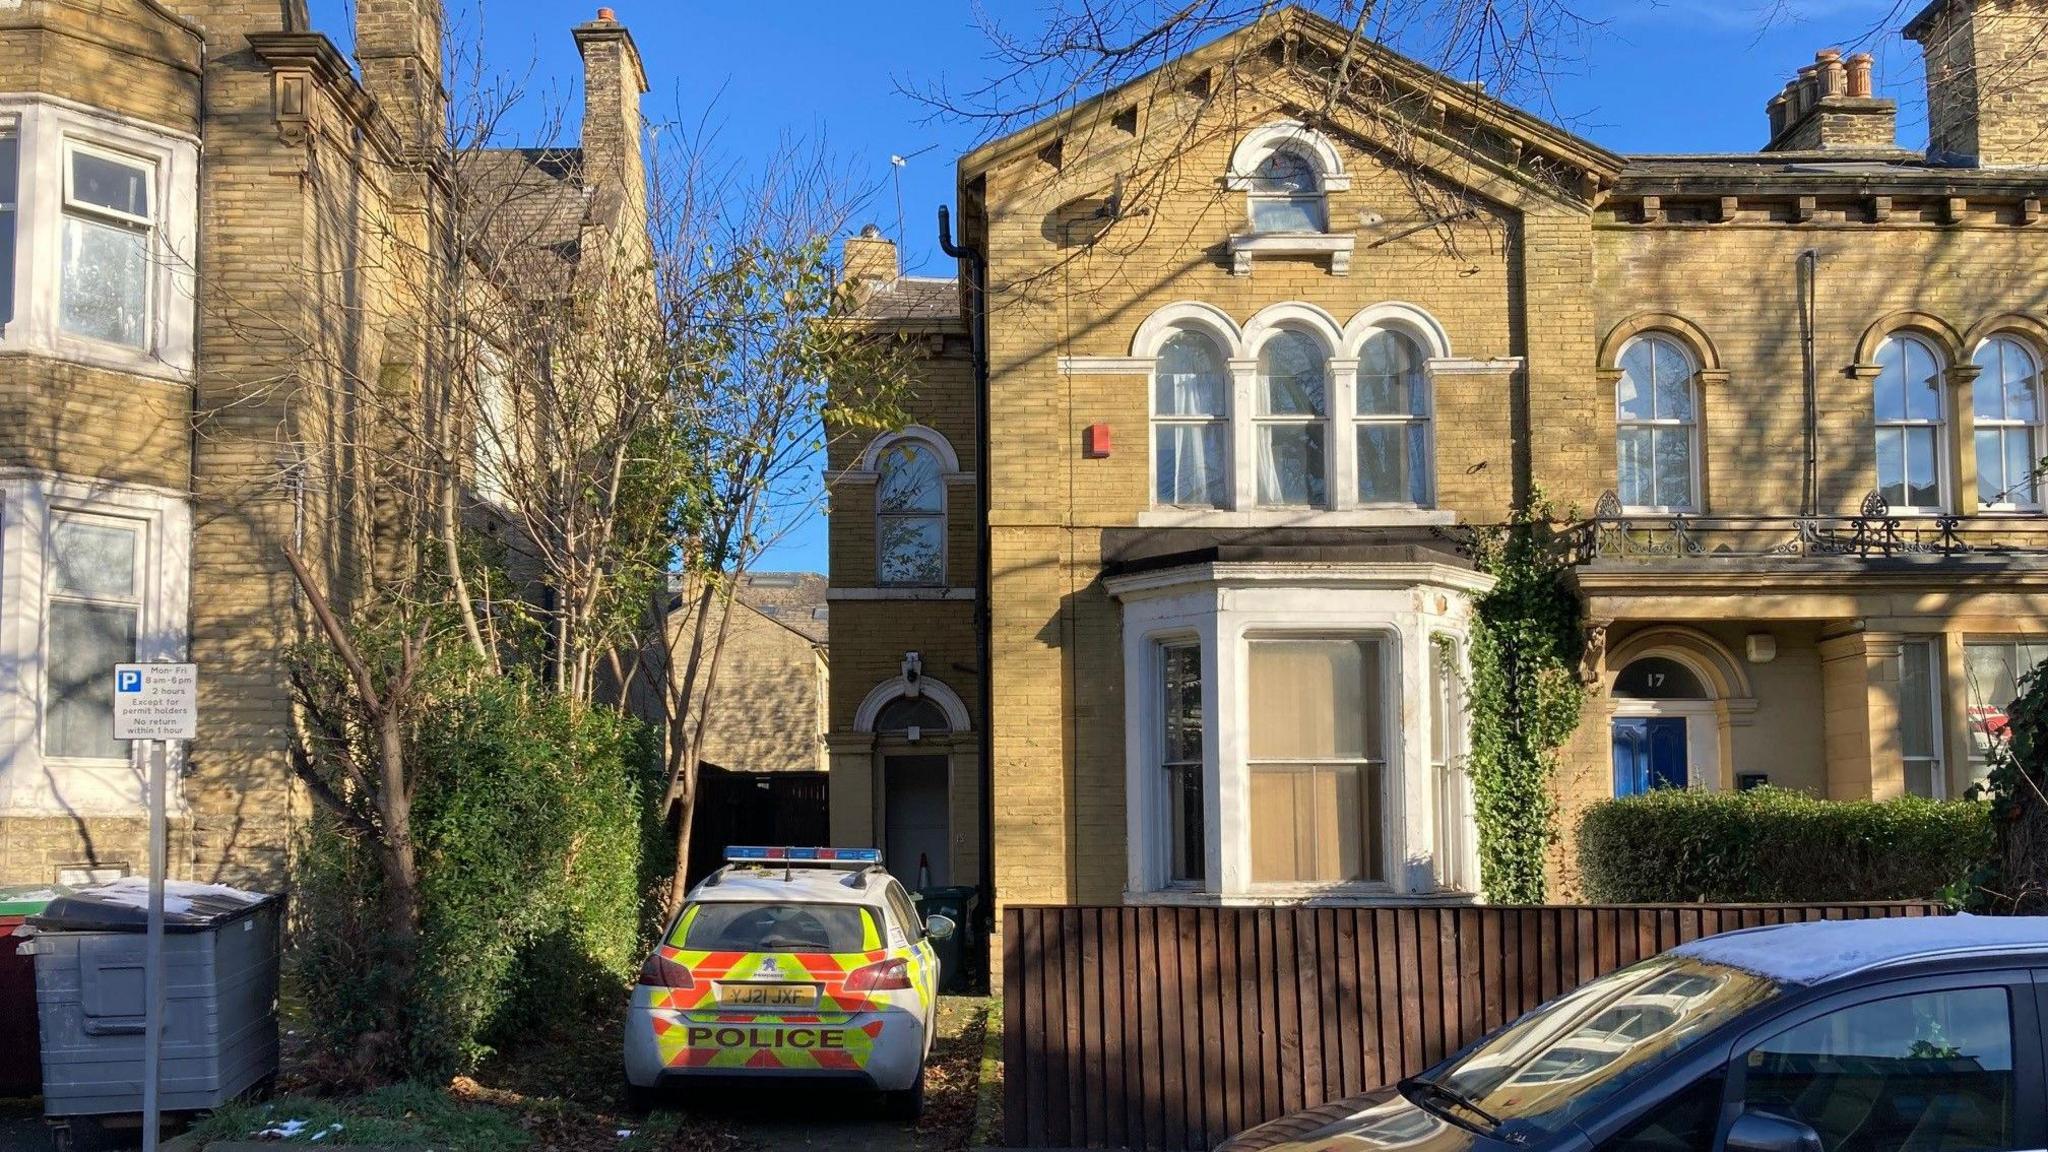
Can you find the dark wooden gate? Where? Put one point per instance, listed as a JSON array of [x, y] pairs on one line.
[[755, 808], [1178, 1027]]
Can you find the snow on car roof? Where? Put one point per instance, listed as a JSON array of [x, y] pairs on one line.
[[1824, 949], [814, 885]]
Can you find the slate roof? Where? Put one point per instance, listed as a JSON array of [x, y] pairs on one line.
[[795, 600], [529, 208], [912, 300]]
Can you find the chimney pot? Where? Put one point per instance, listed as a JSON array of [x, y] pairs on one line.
[[1860, 66], [1833, 78], [607, 16]]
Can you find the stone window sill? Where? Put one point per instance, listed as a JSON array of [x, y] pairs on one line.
[[1244, 248]]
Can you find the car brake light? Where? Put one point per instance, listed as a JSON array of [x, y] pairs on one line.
[[661, 972], [882, 976]]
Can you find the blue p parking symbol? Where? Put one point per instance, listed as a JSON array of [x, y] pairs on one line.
[[128, 680]]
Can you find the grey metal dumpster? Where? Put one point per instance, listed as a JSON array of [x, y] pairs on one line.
[[220, 996]]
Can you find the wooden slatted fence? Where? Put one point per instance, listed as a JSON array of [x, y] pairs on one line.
[[1174, 1028]]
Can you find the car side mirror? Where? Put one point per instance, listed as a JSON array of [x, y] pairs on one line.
[[940, 927], [1769, 1132]]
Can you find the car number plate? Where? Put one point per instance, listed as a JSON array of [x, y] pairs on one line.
[[767, 995]]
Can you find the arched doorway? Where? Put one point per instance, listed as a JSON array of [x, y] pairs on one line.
[[920, 757], [1666, 728]]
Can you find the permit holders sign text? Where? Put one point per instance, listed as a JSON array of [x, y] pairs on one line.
[[156, 701]]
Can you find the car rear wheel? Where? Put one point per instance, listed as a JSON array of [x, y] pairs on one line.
[[906, 1104], [640, 1101]]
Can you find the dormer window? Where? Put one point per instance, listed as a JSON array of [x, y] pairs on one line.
[[1287, 194]]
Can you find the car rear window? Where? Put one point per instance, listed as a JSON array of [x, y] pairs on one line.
[[735, 927]]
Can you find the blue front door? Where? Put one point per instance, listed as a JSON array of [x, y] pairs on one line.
[[1649, 752]]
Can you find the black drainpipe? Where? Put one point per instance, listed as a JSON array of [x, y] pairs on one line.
[[1809, 264], [977, 339]]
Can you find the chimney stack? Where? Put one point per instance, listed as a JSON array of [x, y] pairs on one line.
[[868, 259], [1828, 107], [614, 168], [1987, 81], [398, 46]]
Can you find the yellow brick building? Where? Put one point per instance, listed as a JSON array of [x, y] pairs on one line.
[[222, 251], [1163, 594]]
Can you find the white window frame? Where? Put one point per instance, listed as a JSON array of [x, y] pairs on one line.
[[1326, 161], [1228, 606], [1327, 422], [48, 131], [942, 515], [1455, 844], [30, 504], [1945, 499], [1406, 422], [1171, 420], [1170, 769], [1980, 763], [1622, 424], [1316, 203], [1937, 764], [2034, 427], [138, 593], [494, 433], [1386, 644]]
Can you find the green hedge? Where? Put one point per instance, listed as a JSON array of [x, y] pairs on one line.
[[1776, 846], [530, 823]]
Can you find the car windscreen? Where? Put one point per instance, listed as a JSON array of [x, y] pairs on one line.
[[783, 927], [1549, 1068]]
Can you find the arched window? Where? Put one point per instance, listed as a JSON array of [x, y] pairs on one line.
[[1657, 426], [1293, 421], [1906, 399], [1393, 421], [1190, 422], [1286, 193], [910, 515], [907, 712], [2008, 420]]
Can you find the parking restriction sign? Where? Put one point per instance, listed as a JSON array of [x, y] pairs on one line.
[[156, 701]]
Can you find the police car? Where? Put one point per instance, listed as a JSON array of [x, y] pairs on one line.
[[793, 962]]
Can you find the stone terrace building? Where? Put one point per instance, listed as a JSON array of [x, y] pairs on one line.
[[1181, 569], [213, 233]]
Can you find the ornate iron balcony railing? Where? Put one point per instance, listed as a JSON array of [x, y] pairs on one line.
[[1873, 533]]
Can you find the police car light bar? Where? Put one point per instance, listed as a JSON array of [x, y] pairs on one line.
[[753, 854]]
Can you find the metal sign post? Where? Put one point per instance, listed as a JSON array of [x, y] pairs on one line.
[[155, 703]]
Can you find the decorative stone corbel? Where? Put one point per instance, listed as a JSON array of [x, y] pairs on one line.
[[1593, 662]]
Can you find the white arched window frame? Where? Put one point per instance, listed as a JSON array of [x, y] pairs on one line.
[[2007, 410], [1191, 408], [1656, 414], [1911, 419], [1287, 171], [1393, 410], [1291, 420], [910, 471]]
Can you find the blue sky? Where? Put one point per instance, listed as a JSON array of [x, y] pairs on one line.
[[1675, 75]]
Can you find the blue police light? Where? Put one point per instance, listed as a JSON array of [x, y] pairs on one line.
[[752, 854]]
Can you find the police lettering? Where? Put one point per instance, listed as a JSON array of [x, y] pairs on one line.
[[706, 1036]]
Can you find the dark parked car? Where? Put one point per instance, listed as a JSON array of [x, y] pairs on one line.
[[1901, 1035]]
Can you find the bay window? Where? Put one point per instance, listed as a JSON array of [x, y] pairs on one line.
[[1910, 417], [98, 231], [1296, 738], [1317, 761], [1293, 421], [2007, 403]]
